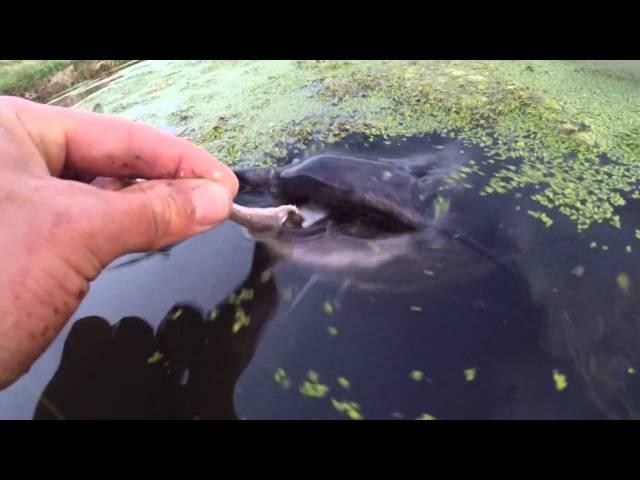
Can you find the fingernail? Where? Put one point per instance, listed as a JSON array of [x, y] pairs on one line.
[[211, 202]]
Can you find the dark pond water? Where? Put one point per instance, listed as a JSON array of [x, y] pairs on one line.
[[533, 325]]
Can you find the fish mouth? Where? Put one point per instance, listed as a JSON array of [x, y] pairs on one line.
[[312, 215], [303, 216]]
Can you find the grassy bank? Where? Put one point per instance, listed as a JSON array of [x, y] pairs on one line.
[[17, 75], [43, 79]]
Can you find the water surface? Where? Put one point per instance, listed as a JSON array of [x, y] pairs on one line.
[[215, 327]]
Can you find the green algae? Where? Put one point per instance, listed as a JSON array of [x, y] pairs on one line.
[[344, 383], [470, 374], [328, 308], [350, 409], [442, 205], [560, 380], [623, 282], [155, 358], [557, 117], [312, 386], [281, 378], [241, 319], [213, 315], [426, 416]]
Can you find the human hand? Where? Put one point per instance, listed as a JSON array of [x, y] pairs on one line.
[[57, 233]]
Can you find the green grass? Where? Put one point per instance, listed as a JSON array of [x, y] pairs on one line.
[[17, 75]]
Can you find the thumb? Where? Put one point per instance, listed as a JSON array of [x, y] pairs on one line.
[[154, 214]]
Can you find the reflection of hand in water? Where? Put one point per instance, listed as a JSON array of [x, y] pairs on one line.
[[187, 370], [104, 374]]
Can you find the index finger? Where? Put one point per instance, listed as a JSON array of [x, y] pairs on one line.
[[108, 146]]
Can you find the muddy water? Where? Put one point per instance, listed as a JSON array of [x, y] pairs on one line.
[[217, 327]]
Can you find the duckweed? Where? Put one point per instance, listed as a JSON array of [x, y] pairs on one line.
[[312, 386], [328, 308], [623, 282], [241, 320], [470, 374], [560, 380], [426, 416], [556, 119], [280, 376], [344, 383], [350, 409], [155, 358]]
